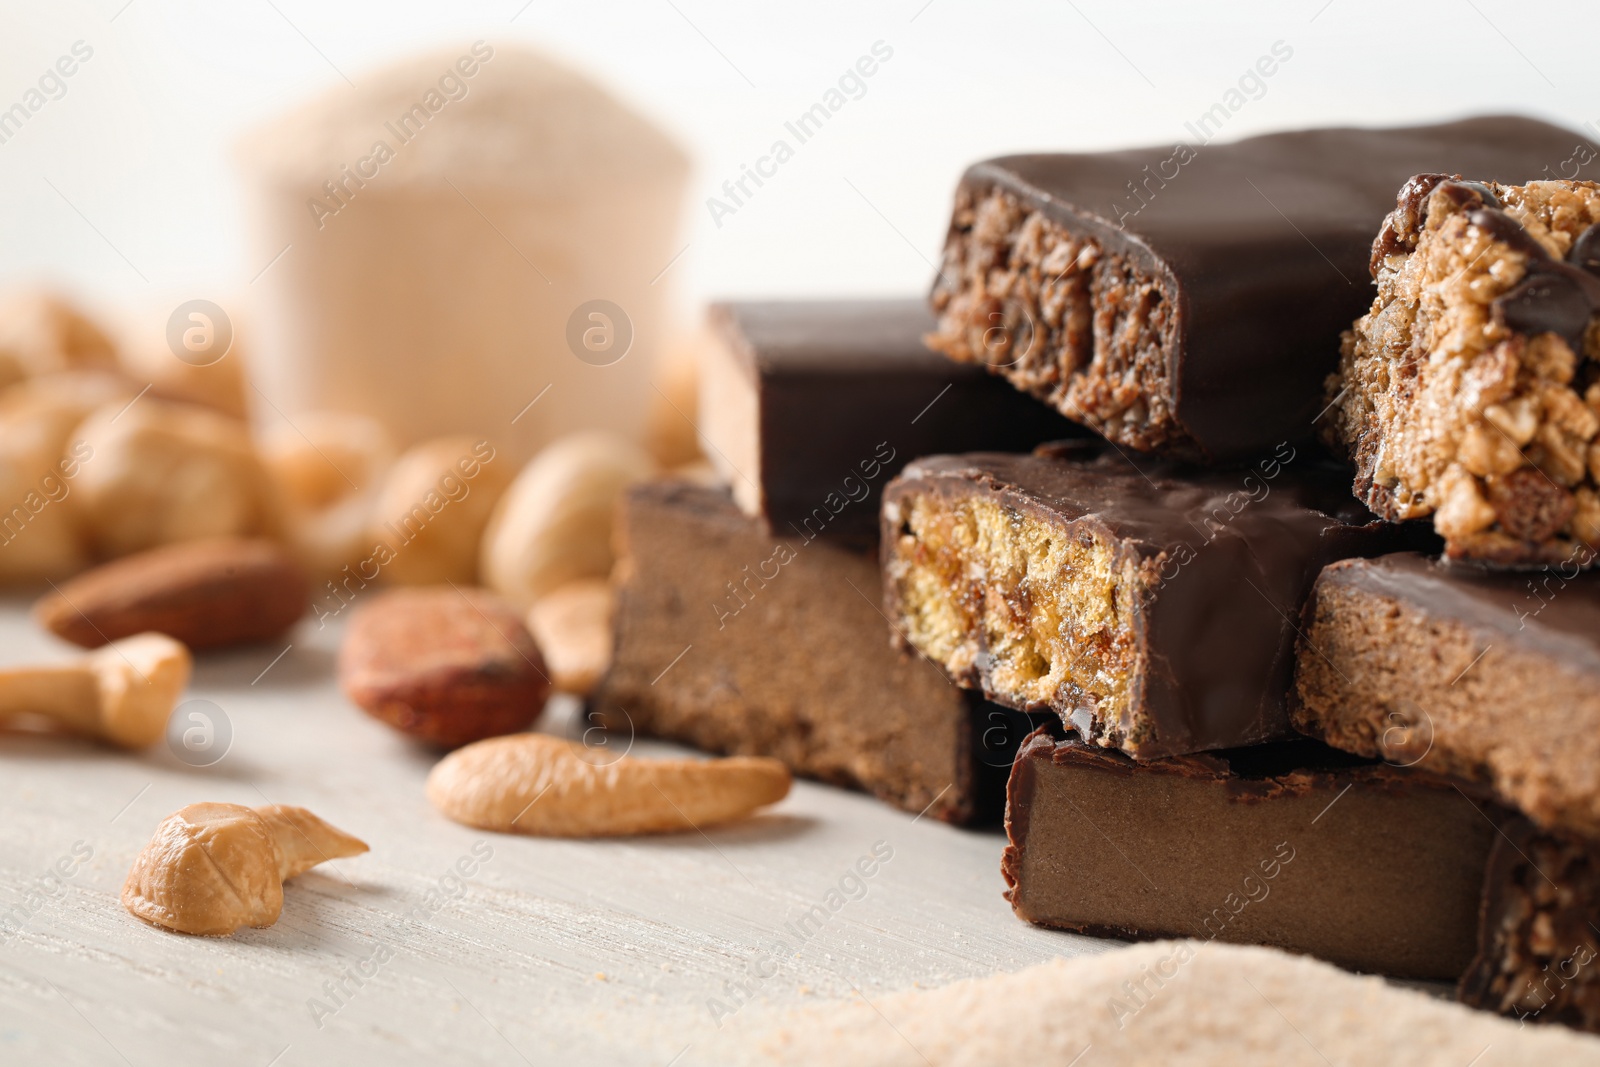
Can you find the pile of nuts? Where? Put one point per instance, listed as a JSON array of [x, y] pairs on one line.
[[163, 524], [104, 456]]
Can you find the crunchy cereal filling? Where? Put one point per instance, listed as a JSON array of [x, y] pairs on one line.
[[1043, 619], [1449, 411], [1060, 318]]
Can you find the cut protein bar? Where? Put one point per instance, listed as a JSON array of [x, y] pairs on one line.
[[1470, 392], [1189, 300]]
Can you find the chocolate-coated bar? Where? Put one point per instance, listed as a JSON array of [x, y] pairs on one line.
[[1468, 392], [1538, 949], [738, 642], [1189, 300], [1152, 608], [1492, 677], [1368, 867], [810, 406]]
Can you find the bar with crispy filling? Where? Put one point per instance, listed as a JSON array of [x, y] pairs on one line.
[[1538, 949], [1152, 608], [1470, 392], [1189, 299]]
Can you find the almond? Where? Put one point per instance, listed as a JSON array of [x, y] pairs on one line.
[[207, 594], [547, 786], [444, 664]]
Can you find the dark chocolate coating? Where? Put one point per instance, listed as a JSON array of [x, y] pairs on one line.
[[1215, 622], [1263, 248], [1554, 296], [1585, 251], [838, 378], [1556, 615]]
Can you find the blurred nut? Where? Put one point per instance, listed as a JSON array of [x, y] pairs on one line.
[[446, 665], [326, 456], [670, 433], [554, 525], [207, 594], [433, 507], [41, 535], [328, 468], [41, 332], [212, 377], [159, 472], [61, 400], [572, 627], [218, 385]]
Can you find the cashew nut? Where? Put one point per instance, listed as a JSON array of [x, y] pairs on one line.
[[123, 692], [212, 868], [161, 472], [536, 784], [554, 524], [433, 507]]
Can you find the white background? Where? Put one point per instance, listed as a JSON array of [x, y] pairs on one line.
[[138, 148]]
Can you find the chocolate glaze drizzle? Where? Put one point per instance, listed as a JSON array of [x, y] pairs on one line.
[[1553, 297]]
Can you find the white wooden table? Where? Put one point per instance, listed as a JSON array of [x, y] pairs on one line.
[[550, 951]]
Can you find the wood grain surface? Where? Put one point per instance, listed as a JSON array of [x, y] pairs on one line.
[[615, 952]]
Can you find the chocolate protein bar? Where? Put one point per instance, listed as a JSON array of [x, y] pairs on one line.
[[1190, 300], [1152, 607], [1491, 677], [1285, 845], [1538, 956], [739, 642], [811, 406], [1470, 392]]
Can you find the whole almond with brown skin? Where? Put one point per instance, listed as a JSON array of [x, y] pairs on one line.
[[445, 664], [207, 594]]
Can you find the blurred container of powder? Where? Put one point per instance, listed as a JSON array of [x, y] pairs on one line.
[[454, 235]]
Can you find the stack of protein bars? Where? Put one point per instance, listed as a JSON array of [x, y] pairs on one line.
[[1269, 715]]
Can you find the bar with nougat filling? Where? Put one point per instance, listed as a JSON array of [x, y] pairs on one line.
[[1488, 676], [1189, 300], [1470, 391], [1293, 845], [1152, 607], [743, 642]]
